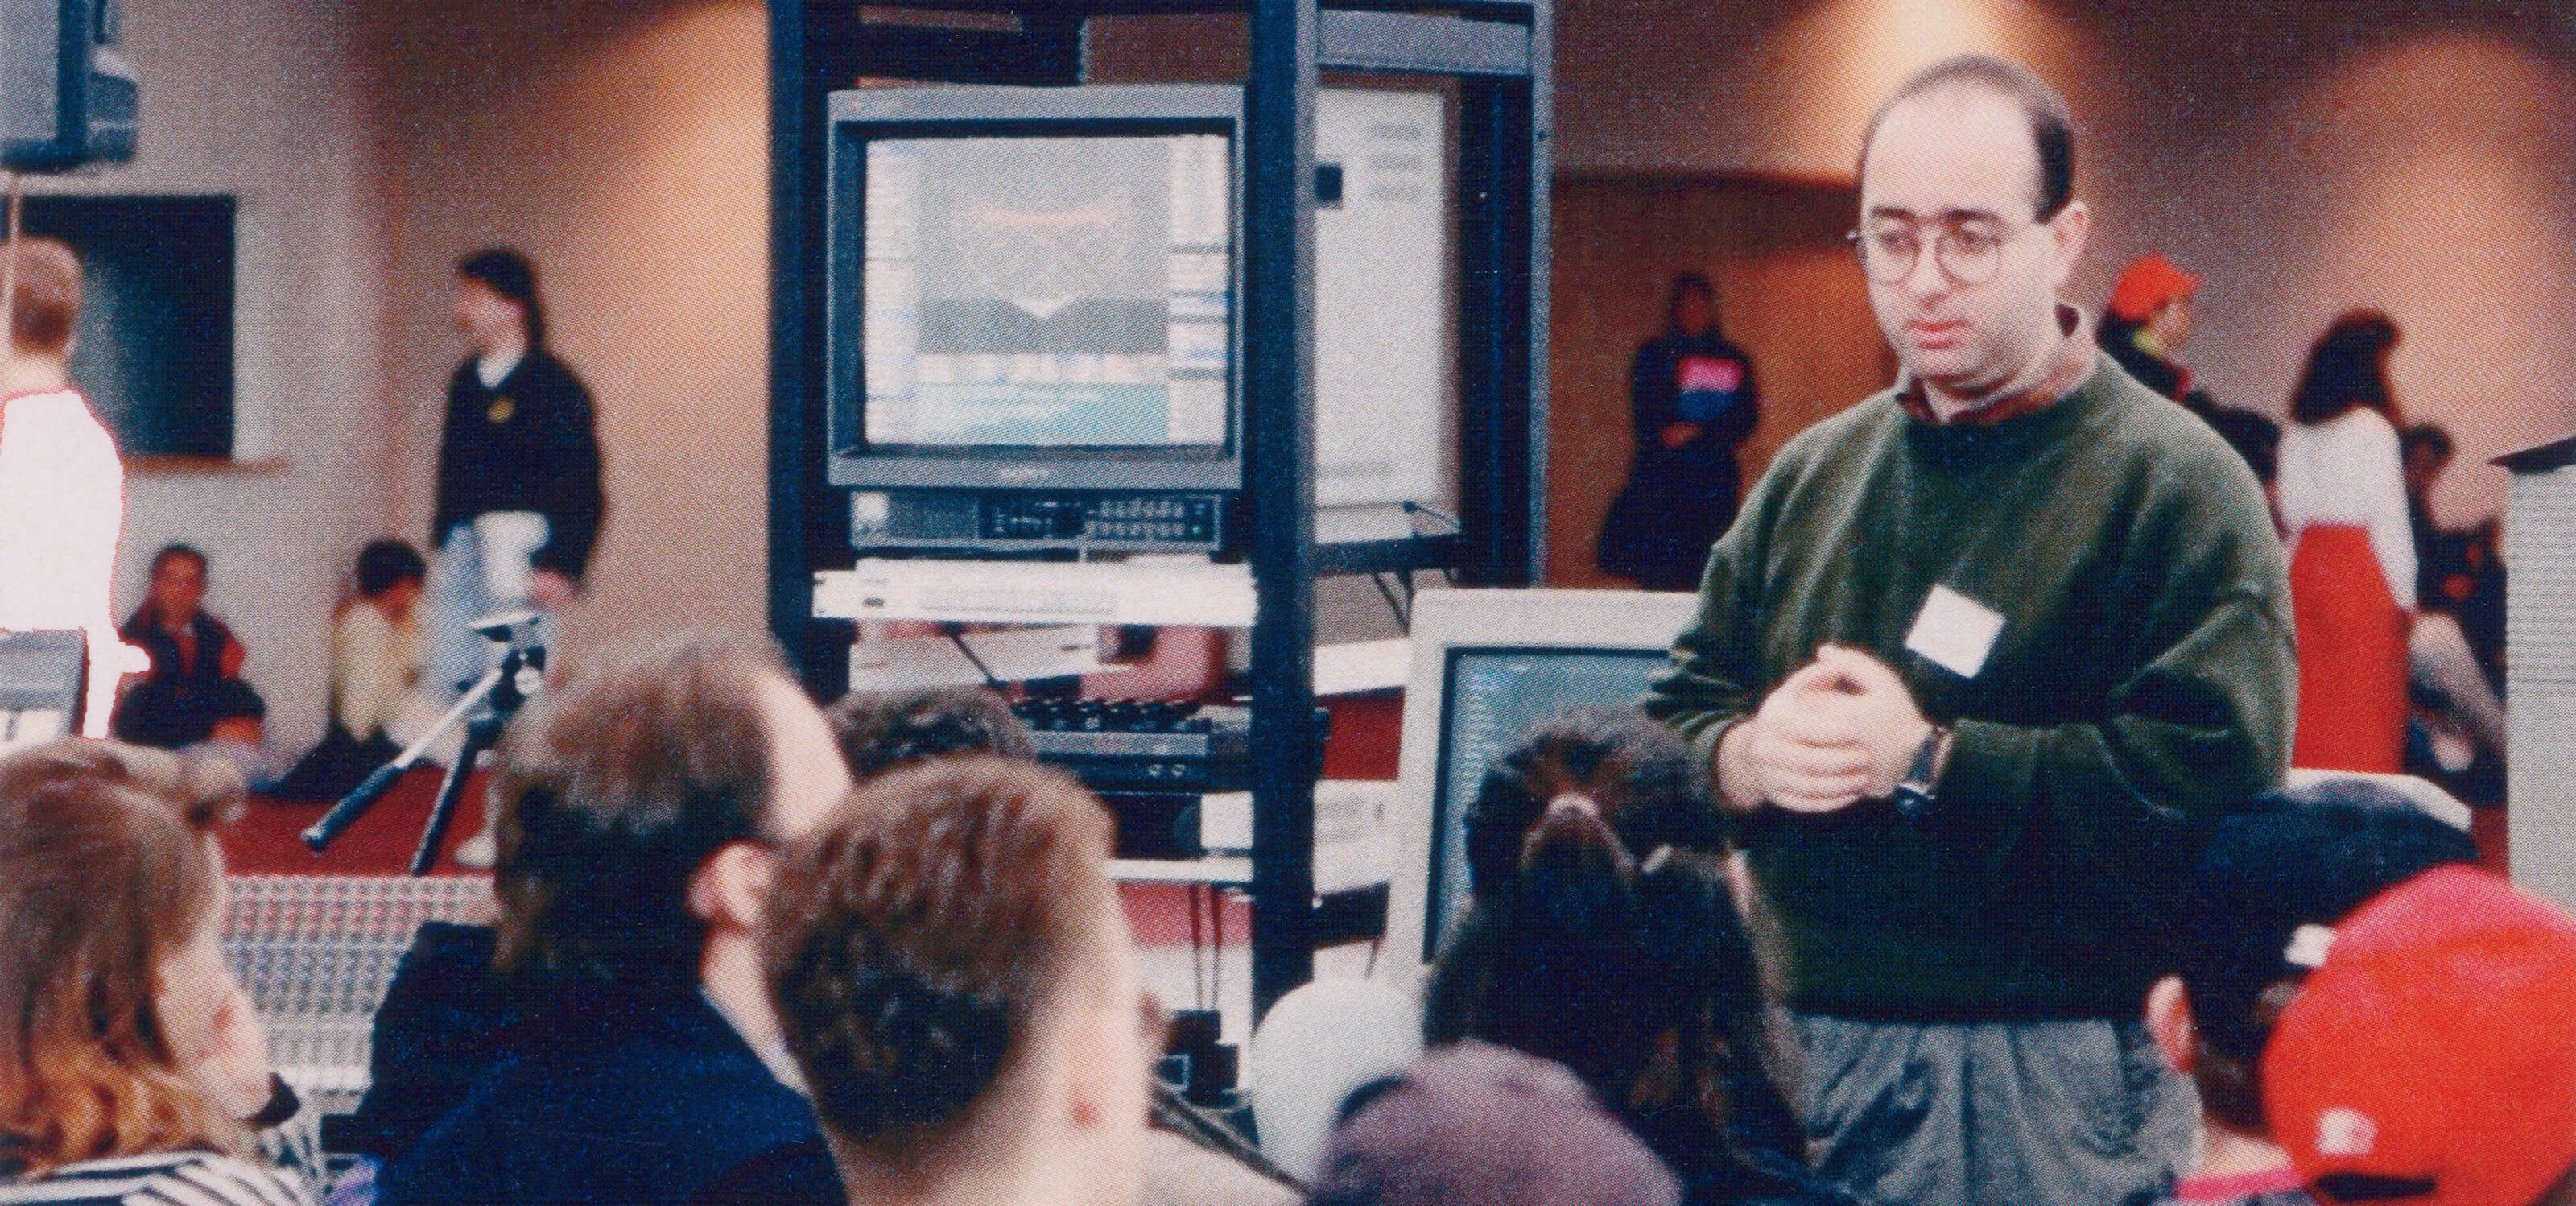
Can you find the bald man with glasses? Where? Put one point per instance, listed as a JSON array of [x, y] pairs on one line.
[[1980, 662]]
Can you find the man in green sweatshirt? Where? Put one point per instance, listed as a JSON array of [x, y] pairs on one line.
[[1980, 662]]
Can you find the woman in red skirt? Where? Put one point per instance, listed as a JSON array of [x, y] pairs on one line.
[[2352, 558]]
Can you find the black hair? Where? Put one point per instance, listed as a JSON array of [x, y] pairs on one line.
[[613, 790], [878, 732], [2425, 435], [179, 549], [1640, 775], [2052, 124], [2347, 367], [1685, 284], [1603, 936], [385, 563], [509, 273], [2298, 858]]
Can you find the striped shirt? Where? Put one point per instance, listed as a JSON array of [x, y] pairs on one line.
[[167, 1179]]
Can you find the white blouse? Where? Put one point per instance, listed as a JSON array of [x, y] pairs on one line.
[[2346, 470]]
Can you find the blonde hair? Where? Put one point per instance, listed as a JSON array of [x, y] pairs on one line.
[[105, 873]]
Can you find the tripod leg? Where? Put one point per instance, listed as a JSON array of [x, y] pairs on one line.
[[479, 736]]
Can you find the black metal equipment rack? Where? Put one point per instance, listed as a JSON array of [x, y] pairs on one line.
[[1499, 51]]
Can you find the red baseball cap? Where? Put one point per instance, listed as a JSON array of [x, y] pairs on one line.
[[2431, 1058], [2150, 281]]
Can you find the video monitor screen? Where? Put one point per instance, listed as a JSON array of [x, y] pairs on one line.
[[1047, 291], [1490, 698]]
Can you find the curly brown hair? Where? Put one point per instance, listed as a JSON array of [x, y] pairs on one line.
[[106, 871], [916, 936], [879, 731]]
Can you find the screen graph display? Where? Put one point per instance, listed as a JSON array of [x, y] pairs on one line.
[[1047, 292]]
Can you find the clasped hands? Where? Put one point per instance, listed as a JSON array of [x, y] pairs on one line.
[[1844, 728]]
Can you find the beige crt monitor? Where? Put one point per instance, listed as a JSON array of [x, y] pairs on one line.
[[1486, 665]]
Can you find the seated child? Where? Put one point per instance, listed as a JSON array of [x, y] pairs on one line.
[[194, 692], [376, 655]]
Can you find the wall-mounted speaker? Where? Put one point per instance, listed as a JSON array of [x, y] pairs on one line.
[[67, 98]]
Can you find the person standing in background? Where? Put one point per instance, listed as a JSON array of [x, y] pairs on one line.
[[1693, 400], [2342, 494], [519, 497], [2149, 319], [62, 488], [2147, 322]]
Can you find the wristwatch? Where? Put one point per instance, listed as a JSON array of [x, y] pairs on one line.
[[1916, 791]]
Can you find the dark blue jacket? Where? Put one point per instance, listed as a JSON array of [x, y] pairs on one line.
[[642, 1105]]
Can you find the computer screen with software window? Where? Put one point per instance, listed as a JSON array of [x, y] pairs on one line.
[[1488, 664], [1034, 288]]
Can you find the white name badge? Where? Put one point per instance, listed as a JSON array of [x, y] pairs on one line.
[[1955, 632]]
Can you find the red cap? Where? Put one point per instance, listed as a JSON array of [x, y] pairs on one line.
[[2432, 1058], [2150, 281]]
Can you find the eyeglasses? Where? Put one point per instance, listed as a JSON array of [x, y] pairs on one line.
[[1969, 252]]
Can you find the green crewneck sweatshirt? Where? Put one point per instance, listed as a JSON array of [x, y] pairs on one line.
[[2139, 687]]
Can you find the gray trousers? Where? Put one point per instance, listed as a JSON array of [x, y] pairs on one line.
[[2061, 1113]]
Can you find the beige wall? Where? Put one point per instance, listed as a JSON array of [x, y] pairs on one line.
[[260, 99], [2303, 158], [624, 146]]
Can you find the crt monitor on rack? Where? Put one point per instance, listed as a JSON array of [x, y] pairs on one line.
[[1488, 664], [1032, 290]]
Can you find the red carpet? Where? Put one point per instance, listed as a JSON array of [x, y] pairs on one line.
[[269, 840]]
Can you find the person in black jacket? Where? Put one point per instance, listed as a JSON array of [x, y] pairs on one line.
[[1693, 401], [194, 691], [519, 498], [635, 1057]]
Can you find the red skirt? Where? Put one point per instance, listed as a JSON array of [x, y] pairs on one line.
[[2352, 654]]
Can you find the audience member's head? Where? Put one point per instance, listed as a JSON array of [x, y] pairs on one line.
[[2425, 451], [954, 975], [640, 803], [2154, 296], [880, 731], [2347, 367], [1604, 939], [385, 565], [1482, 1124], [178, 585], [45, 298], [1638, 779], [497, 295], [125, 1033], [2264, 886], [2429, 1060]]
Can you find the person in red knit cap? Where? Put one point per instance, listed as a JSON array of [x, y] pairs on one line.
[[2429, 1060], [2149, 318]]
